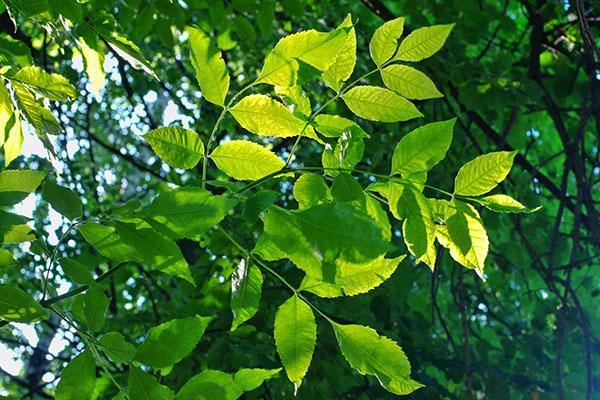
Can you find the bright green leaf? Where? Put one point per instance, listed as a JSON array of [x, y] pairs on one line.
[[423, 42], [211, 71], [208, 385], [409, 82], [170, 342], [15, 185], [51, 86], [188, 211], [265, 116], [6, 259], [344, 63], [419, 150], [384, 42], [379, 104], [295, 337], [310, 190], [245, 160], [178, 147], [372, 354], [156, 250], [504, 204], [246, 290], [108, 242], [484, 173]]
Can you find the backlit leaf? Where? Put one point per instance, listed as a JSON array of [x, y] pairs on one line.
[[295, 337], [63, 200], [423, 42], [372, 354], [178, 147], [409, 82], [211, 71], [384, 42], [245, 160], [483, 173], [168, 343], [246, 290], [379, 104]]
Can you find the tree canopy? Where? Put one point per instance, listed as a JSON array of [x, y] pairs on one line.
[[206, 199]]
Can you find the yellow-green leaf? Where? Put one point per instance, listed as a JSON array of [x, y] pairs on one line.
[[178, 147], [483, 173], [384, 42], [409, 82], [295, 337], [51, 86], [265, 116], [18, 306], [379, 104], [423, 42], [245, 160], [211, 70]]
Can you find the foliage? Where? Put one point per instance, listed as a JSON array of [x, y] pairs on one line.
[[275, 222]]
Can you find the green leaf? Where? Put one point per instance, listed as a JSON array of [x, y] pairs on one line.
[[246, 290], [484, 173], [188, 211], [346, 188], [51, 86], [78, 378], [351, 278], [379, 104], [384, 42], [409, 82], [265, 116], [93, 57], [178, 147], [170, 342], [117, 347], [95, 305], [143, 386], [211, 71], [295, 338], [245, 160], [15, 185], [156, 250], [372, 354], [315, 49], [347, 152], [418, 151], [63, 200], [208, 385], [14, 228], [6, 112], [77, 271], [6, 259], [293, 96], [39, 116], [248, 379], [108, 242], [418, 229], [504, 204], [344, 63], [18, 306], [465, 236], [316, 237], [310, 190], [423, 42], [336, 126], [130, 52], [14, 138]]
